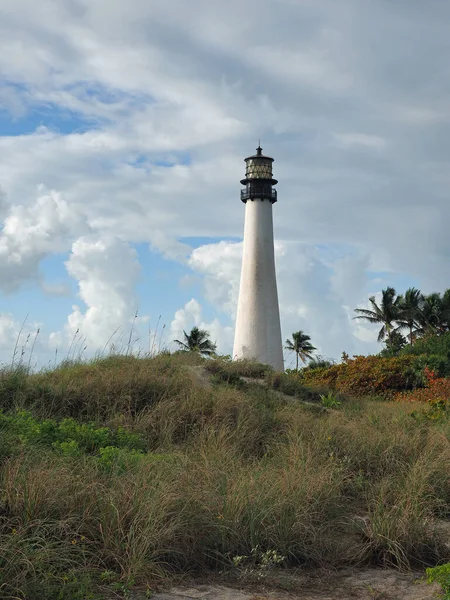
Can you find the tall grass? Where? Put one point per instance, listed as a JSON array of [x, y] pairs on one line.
[[225, 469]]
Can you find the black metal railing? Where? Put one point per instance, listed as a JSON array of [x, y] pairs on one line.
[[260, 194]]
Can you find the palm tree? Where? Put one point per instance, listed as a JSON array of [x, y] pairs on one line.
[[394, 344], [445, 325], [301, 345], [197, 341], [387, 313], [430, 318], [410, 306]]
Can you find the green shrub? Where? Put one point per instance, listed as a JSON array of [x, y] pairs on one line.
[[435, 362], [66, 434], [434, 351], [430, 344], [118, 460], [70, 448], [440, 575]]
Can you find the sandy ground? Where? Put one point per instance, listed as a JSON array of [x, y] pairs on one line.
[[361, 584]]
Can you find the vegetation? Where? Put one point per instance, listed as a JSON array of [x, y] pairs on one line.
[[440, 575], [117, 473], [120, 472], [301, 345], [228, 371], [419, 314], [386, 313], [410, 308], [318, 362], [433, 351], [197, 341], [368, 375]]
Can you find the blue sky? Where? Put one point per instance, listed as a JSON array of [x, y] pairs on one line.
[[52, 117], [123, 129]]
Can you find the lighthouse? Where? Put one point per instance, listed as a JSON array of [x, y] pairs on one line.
[[258, 331]]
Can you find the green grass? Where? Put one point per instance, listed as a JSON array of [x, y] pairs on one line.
[[125, 471]]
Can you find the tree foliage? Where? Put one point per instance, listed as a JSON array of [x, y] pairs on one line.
[[197, 341], [301, 345], [386, 313], [416, 314]]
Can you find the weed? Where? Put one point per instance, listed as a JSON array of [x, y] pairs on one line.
[[258, 563], [330, 400], [440, 575]]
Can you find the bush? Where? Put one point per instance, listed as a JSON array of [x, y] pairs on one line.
[[68, 436], [292, 384], [440, 575], [437, 350], [434, 362], [240, 368], [367, 375], [436, 393]]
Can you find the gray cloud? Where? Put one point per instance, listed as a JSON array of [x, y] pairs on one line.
[[351, 99]]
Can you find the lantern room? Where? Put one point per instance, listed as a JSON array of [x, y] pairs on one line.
[[259, 178]]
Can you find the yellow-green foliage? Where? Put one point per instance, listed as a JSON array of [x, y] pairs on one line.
[[172, 473], [441, 575], [367, 375]]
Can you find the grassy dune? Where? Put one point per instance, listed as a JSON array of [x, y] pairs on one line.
[[125, 471]]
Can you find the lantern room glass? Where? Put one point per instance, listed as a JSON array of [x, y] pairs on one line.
[[258, 168]]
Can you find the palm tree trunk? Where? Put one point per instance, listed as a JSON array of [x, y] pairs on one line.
[[389, 333], [296, 365], [410, 334]]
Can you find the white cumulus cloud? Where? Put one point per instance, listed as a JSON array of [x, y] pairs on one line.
[[32, 232], [191, 315], [107, 271]]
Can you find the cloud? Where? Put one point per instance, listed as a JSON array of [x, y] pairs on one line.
[[220, 264], [360, 139], [107, 271], [149, 109], [317, 293], [30, 233], [191, 315], [22, 342], [9, 331]]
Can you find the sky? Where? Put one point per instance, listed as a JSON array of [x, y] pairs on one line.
[[123, 132]]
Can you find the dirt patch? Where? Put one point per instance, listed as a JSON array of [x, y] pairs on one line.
[[201, 375], [351, 584]]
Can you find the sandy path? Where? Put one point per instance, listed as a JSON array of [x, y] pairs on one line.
[[362, 584]]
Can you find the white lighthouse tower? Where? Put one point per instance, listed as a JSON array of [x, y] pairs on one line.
[[258, 331]]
